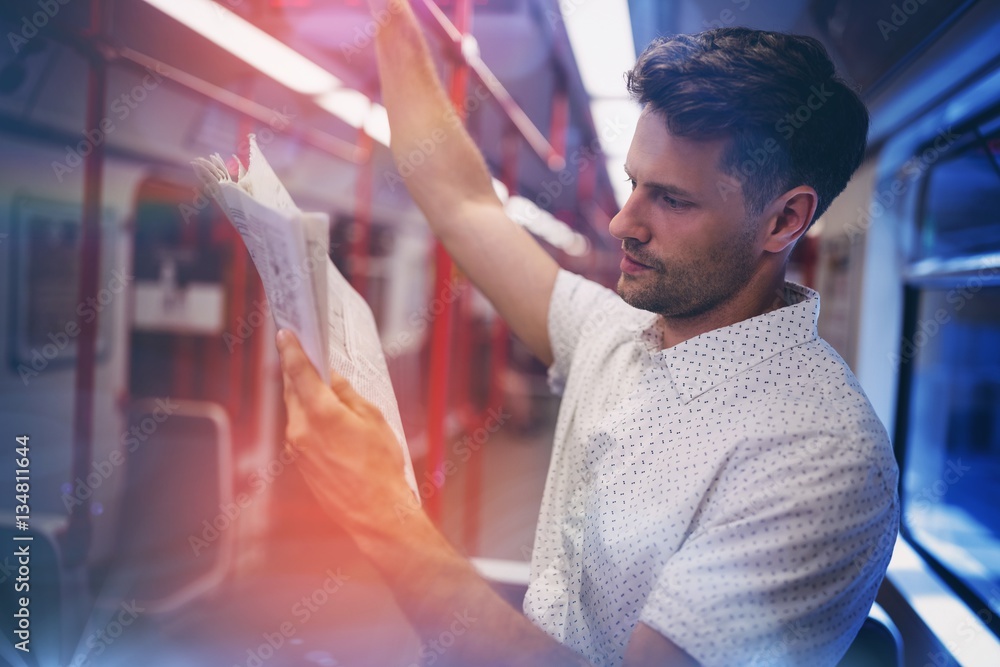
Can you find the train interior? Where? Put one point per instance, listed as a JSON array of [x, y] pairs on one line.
[[169, 526]]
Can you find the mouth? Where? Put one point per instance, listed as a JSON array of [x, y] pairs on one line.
[[632, 267]]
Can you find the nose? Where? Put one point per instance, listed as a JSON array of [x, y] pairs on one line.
[[628, 222]]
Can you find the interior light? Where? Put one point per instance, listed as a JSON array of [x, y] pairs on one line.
[[251, 44], [607, 24], [349, 105], [278, 61], [377, 124], [545, 226]]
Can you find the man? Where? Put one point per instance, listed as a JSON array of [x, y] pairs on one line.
[[720, 492]]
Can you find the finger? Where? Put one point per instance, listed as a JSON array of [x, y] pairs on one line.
[[345, 392], [292, 404], [302, 377], [286, 389], [294, 414]]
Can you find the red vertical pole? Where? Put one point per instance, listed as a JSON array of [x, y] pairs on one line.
[[473, 467], [499, 338], [560, 119], [437, 402], [459, 84], [360, 239], [463, 347], [76, 540]]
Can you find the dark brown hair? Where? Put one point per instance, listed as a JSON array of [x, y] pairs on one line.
[[790, 119]]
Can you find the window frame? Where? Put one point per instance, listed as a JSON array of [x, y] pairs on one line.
[[922, 274]]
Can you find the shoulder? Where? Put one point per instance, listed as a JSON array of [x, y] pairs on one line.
[[815, 420]]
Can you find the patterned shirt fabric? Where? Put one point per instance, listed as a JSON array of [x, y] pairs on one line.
[[735, 492]]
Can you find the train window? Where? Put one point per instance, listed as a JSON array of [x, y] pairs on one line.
[[952, 460], [949, 358], [960, 216]]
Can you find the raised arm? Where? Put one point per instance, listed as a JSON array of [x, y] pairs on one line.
[[449, 180]]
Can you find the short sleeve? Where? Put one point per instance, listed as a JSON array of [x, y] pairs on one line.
[[786, 564], [576, 308]]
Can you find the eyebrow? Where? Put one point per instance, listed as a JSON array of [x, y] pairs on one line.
[[664, 187]]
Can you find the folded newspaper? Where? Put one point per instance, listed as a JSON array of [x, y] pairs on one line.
[[305, 291]]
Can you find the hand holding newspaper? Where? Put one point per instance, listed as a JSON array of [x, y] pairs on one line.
[[305, 291]]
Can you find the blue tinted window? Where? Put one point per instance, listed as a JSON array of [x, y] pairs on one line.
[[960, 213], [951, 476]]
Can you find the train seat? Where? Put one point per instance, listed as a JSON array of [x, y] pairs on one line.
[[877, 644]]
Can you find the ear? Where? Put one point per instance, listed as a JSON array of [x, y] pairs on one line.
[[789, 216]]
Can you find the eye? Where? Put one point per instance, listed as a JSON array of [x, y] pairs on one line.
[[632, 181], [674, 204]]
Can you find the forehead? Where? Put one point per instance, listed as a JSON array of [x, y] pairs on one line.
[[659, 156]]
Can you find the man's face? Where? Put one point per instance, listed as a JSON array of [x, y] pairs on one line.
[[684, 225]]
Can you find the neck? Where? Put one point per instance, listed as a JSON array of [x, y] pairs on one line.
[[762, 294]]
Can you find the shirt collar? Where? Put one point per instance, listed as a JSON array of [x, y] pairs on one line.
[[709, 359]]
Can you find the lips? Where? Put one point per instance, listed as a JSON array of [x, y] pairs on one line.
[[635, 261], [631, 267]]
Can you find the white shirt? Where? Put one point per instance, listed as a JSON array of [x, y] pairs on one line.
[[735, 492]]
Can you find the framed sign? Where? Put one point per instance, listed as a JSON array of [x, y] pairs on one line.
[[47, 311]]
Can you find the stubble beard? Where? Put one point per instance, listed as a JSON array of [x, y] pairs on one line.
[[689, 288]]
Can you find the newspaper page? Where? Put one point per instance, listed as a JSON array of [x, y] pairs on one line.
[[275, 239], [356, 353], [306, 292]]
